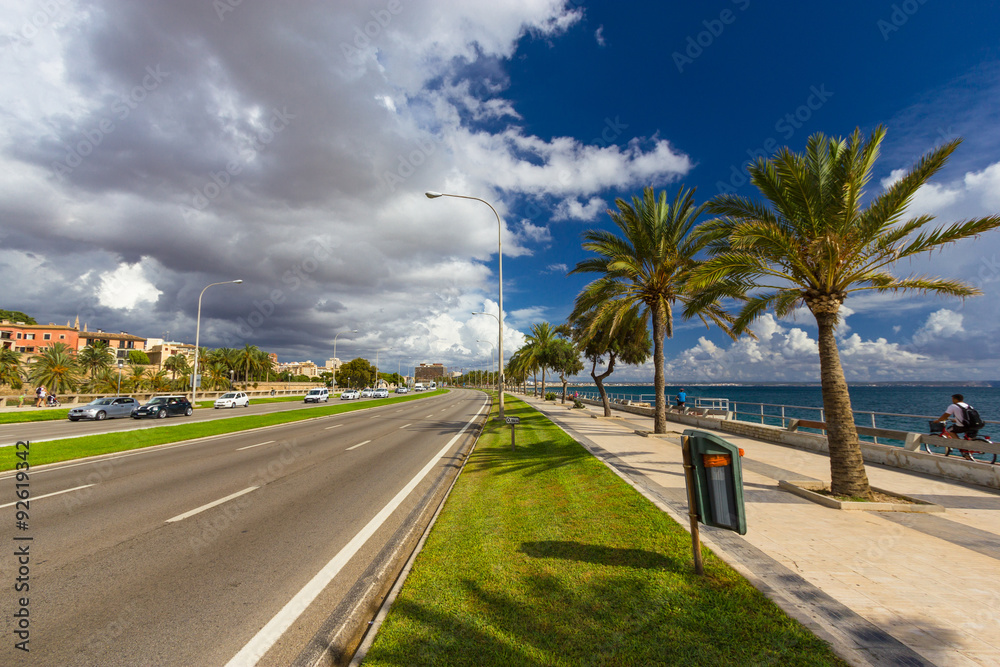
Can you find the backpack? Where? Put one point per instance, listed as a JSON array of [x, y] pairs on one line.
[[970, 416]]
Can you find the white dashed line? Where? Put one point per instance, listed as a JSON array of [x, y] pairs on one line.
[[209, 506], [49, 495], [358, 445], [257, 445], [334, 426], [405, 425]]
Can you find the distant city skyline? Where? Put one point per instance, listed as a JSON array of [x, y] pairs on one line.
[[150, 149]]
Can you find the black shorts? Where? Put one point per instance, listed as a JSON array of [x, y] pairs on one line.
[[957, 430]]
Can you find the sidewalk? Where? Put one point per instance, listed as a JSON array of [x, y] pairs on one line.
[[884, 588]]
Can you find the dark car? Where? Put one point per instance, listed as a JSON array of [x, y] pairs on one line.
[[164, 406]]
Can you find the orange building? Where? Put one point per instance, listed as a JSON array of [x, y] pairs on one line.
[[30, 339]]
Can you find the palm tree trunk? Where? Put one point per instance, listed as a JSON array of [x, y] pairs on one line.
[[847, 467], [543, 383], [659, 331]]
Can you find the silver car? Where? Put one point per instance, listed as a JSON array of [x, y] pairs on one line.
[[104, 408]]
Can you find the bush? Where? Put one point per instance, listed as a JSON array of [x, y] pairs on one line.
[[550, 396], [577, 403]]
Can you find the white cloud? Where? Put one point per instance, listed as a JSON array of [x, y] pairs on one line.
[[572, 209], [599, 36], [126, 287], [940, 324]]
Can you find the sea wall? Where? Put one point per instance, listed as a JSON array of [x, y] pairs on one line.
[[887, 455]]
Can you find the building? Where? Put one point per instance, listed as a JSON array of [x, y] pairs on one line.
[[160, 350], [30, 339], [307, 368], [333, 365], [430, 373], [119, 344]]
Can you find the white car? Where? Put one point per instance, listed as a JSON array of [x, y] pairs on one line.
[[350, 395], [367, 393], [401, 390], [380, 393], [233, 399], [317, 395]]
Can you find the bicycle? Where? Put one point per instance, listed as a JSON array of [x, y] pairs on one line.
[[938, 428]]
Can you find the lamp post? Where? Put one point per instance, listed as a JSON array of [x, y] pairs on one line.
[[376, 363], [335, 357], [120, 364], [435, 195], [492, 347], [197, 338]]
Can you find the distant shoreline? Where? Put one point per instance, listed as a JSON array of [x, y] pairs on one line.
[[953, 383]]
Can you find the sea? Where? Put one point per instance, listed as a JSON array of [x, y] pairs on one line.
[[911, 406]]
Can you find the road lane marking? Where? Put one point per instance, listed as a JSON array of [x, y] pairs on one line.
[[405, 425], [209, 506], [358, 445], [258, 445], [428, 416], [334, 426], [276, 627], [49, 495], [398, 410]]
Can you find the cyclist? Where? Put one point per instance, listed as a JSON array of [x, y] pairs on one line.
[[955, 412]]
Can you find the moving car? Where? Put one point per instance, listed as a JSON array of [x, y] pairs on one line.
[[380, 393], [367, 392], [104, 408], [317, 395], [232, 399], [350, 394], [163, 406], [401, 390]]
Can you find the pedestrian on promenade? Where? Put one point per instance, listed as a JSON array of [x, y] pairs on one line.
[[20, 401], [681, 399]]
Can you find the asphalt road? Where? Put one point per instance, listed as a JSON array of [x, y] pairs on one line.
[[217, 551], [52, 430]]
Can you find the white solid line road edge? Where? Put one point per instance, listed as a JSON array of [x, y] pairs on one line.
[[276, 627], [260, 444], [358, 445], [47, 495], [209, 506]]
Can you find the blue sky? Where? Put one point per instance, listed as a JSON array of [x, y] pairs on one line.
[[149, 151]]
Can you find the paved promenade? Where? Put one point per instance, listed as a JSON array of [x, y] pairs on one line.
[[884, 588]]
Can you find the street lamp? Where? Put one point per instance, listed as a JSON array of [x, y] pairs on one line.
[[335, 357], [376, 364], [435, 195], [197, 338], [492, 347], [120, 364]]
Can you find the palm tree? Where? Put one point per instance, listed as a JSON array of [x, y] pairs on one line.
[[813, 242], [55, 367], [537, 348], [105, 382], [135, 378], [628, 342], [176, 363], [10, 368], [95, 357], [648, 268], [158, 381], [217, 374], [246, 359]]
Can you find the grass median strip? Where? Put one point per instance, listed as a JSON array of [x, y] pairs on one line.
[[544, 557], [52, 451]]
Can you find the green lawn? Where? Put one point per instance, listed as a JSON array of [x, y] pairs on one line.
[[545, 557], [175, 430]]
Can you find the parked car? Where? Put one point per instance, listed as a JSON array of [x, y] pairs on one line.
[[401, 390], [232, 399], [350, 395], [317, 395], [380, 393], [164, 406], [367, 392], [104, 408]]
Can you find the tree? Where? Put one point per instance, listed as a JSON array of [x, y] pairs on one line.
[[10, 368], [55, 367], [95, 357], [247, 360], [564, 358], [629, 342], [158, 381], [356, 373], [135, 379], [536, 349], [138, 358], [16, 316], [176, 363], [813, 242], [647, 268]]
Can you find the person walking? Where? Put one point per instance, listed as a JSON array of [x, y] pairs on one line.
[[20, 401]]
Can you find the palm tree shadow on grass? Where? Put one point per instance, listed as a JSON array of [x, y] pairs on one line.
[[598, 554]]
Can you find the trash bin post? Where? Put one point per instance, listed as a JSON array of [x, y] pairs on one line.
[[513, 421], [689, 482]]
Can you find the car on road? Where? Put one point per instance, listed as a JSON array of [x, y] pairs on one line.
[[104, 408], [380, 393], [367, 392], [317, 395], [232, 399], [164, 406], [401, 390], [350, 395]]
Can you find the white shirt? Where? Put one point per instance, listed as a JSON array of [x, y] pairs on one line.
[[955, 410]]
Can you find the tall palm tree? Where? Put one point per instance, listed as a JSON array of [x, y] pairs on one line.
[[628, 342], [176, 363], [813, 242], [55, 367], [10, 368], [246, 360], [135, 378], [647, 267], [95, 357]]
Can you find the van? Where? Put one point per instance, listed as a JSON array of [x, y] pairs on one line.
[[317, 395]]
